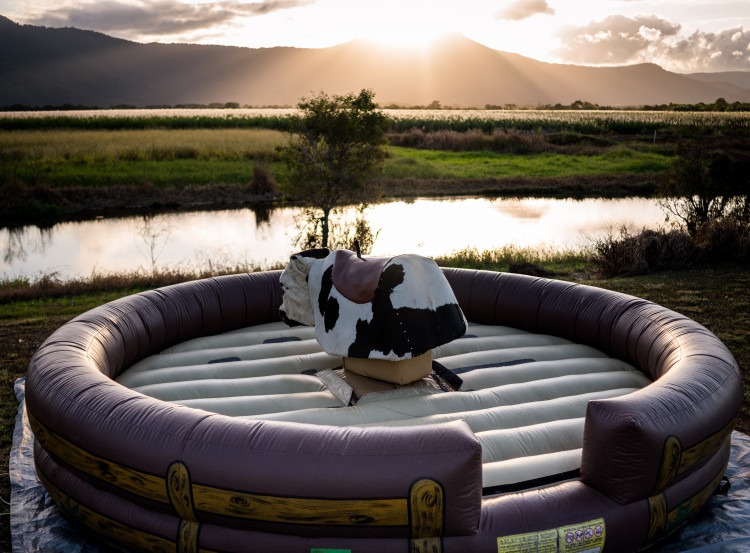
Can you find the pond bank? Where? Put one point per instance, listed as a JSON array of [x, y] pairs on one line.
[[42, 205]]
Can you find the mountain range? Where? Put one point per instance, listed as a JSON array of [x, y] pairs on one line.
[[54, 66]]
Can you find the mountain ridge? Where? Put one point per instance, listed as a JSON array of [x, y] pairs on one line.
[[55, 66]]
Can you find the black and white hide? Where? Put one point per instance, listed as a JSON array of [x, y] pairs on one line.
[[372, 308]]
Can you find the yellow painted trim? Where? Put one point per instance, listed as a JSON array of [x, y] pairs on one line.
[[187, 537], [657, 506], [187, 497], [134, 481], [699, 452], [108, 527], [298, 510], [426, 513], [670, 463], [663, 522], [676, 461], [690, 506], [179, 488]]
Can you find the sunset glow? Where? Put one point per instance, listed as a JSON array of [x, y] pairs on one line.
[[397, 38], [699, 35], [409, 24]]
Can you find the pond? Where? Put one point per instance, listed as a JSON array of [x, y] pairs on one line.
[[243, 237]]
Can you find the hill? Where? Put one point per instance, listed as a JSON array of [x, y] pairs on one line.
[[739, 79], [54, 66]]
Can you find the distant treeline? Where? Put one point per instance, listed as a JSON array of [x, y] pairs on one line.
[[80, 107], [720, 105]]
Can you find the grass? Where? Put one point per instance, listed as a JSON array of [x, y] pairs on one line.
[[427, 164], [143, 144], [162, 174], [63, 158], [541, 261]]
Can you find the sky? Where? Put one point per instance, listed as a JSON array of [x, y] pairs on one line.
[[680, 35]]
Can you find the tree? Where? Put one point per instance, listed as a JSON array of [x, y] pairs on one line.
[[336, 145], [707, 185]]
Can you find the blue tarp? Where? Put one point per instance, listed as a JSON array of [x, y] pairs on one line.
[[722, 525]]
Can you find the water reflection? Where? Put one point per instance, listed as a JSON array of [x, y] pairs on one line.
[[262, 213], [19, 243], [154, 232], [523, 209], [345, 227], [253, 237]]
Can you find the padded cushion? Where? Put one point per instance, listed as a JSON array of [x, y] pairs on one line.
[[523, 394]]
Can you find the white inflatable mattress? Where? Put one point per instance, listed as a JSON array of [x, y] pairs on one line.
[[524, 395]]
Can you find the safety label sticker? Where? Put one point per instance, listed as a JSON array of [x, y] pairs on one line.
[[541, 542], [586, 537]]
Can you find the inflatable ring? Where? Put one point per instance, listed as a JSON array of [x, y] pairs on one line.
[[155, 476]]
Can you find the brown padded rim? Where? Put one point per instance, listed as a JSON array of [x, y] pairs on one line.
[[643, 454]]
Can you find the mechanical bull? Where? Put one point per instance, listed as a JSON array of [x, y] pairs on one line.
[[380, 308]]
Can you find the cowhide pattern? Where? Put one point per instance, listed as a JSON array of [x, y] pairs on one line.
[[413, 308]]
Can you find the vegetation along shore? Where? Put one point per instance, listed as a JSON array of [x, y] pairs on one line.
[[66, 166]]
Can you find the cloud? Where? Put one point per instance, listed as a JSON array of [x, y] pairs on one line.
[[523, 9], [618, 40], [163, 17], [725, 51], [614, 40]]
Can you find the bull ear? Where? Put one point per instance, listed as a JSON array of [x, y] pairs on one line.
[[296, 308]]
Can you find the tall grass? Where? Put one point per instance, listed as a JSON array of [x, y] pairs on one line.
[[69, 158], [141, 120], [588, 121], [627, 122], [141, 145], [51, 285], [539, 261]]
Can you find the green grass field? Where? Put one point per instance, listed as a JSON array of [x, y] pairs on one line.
[[60, 158], [65, 158], [407, 162]]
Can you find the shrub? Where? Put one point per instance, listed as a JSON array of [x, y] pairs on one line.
[[706, 185], [263, 183], [646, 251], [725, 239], [498, 140]]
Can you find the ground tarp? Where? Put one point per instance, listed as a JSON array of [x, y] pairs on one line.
[[722, 526]]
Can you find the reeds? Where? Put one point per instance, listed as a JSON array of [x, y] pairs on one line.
[[585, 121], [540, 261]]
